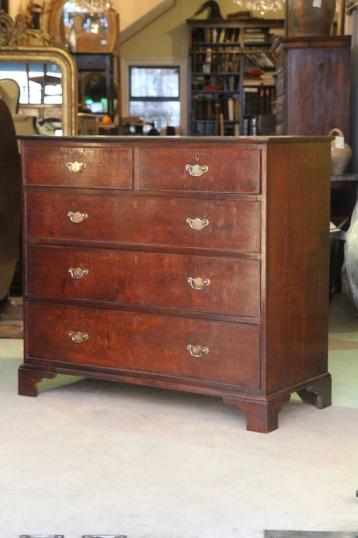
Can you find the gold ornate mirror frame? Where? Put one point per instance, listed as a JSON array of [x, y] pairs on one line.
[[40, 49]]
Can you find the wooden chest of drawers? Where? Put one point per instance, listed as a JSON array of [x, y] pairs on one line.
[[191, 264]]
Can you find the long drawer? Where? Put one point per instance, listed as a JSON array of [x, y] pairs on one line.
[[197, 349], [193, 168], [75, 166], [201, 223], [199, 283]]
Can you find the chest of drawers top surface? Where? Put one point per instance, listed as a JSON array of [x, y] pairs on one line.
[[178, 262]]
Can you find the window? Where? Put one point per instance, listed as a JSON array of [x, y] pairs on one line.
[[154, 94], [39, 83]]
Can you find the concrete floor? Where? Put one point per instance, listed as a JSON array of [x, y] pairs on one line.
[[95, 456]]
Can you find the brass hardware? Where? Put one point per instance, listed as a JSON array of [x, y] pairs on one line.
[[77, 272], [196, 170], [199, 283], [197, 224], [78, 337], [197, 351], [75, 166], [77, 217]]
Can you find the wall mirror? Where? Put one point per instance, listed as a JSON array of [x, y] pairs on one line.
[[83, 25], [47, 78]]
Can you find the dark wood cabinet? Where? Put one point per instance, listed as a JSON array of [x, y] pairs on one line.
[[313, 85], [98, 82], [191, 264]]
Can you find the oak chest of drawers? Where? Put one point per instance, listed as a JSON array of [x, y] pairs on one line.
[[191, 264]]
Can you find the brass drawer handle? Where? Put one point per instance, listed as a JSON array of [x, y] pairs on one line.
[[196, 170], [78, 337], [197, 351], [77, 272], [77, 217], [75, 166], [199, 283], [197, 224]]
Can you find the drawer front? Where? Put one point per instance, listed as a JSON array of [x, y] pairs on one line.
[[198, 283], [219, 351], [76, 166], [214, 224], [220, 169]]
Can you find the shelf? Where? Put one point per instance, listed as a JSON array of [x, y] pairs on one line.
[[215, 121], [216, 73], [218, 91]]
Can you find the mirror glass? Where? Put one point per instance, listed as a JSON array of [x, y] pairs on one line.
[[86, 26], [41, 92]]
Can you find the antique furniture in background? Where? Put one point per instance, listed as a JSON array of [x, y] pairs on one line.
[[98, 81], [313, 92], [10, 94], [192, 264], [313, 88], [29, 56]]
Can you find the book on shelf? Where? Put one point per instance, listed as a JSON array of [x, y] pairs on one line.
[[261, 59]]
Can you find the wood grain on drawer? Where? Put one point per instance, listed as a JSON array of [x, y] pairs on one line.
[[146, 343], [222, 169], [225, 224], [199, 283], [99, 167]]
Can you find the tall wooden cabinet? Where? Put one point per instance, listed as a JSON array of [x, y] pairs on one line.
[[312, 85], [231, 76]]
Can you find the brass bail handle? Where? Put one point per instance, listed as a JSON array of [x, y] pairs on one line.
[[199, 283], [78, 272], [196, 170], [197, 224], [76, 216], [75, 166], [78, 337], [197, 351]]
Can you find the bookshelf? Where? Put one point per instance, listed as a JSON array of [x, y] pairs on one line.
[[231, 76]]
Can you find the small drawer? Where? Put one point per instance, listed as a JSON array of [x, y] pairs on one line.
[[224, 168], [197, 283], [102, 167], [232, 225], [203, 350]]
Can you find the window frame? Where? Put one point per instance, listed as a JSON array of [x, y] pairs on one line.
[[181, 62]]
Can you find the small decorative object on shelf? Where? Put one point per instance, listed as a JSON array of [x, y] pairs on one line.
[[212, 8], [232, 83], [341, 153]]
